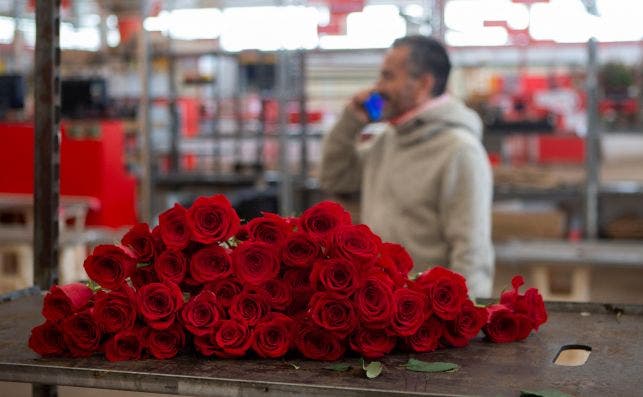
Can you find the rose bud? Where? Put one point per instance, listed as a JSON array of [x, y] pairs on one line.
[[270, 228], [64, 300], [81, 334], [273, 336], [173, 227], [115, 310], [372, 343], [158, 303], [125, 345], [110, 265], [140, 241], [255, 262], [166, 343], [321, 220], [201, 313], [47, 340], [447, 291], [210, 263], [300, 250], [212, 219]]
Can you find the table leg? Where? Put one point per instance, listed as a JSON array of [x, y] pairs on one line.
[[40, 390]]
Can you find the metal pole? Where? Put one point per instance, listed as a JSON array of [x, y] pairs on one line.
[[174, 110], [303, 126], [285, 181], [46, 152], [144, 118], [47, 143], [592, 144]]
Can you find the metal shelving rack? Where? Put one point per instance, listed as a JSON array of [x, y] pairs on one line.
[[289, 88]]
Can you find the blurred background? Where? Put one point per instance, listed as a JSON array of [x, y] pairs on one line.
[[166, 100]]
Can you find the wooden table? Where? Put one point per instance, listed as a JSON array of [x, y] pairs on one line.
[[614, 367]]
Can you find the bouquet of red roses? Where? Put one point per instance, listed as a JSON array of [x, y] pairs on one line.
[[316, 284]]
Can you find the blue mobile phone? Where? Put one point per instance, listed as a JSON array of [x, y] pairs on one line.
[[373, 106]]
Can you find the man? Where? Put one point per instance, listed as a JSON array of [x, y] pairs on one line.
[[425, 181]]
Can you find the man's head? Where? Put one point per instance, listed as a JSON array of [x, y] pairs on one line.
[[415, 69]]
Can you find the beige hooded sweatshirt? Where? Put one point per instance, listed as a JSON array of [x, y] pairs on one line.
[[425, 184]]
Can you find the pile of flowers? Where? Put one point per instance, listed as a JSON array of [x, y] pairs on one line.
[[317, 284]]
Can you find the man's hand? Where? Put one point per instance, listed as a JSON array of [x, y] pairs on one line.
[[356, 105]]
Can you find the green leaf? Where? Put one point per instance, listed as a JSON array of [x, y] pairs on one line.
[[373, 369], [423, 366], [339, 367], [143, 264], [186, 296], [543, 393], [93, 285]]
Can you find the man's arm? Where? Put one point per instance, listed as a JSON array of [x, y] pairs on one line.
[[340, 164], [465, 213]]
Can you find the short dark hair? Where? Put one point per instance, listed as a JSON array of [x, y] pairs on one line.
[[427, 56]]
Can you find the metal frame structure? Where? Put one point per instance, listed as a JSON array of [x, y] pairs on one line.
[[47, 142]]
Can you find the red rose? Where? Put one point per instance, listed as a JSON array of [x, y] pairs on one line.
[[210, 263], [166, 343], [242, 233], [504, 325], [446, 289], [427, 337], [316, 343], [466, 325], [273, 336], [335, 275], [115, 310], [171, 266], [333, 312], [411, 309], [109, 265], [255, 262], [201, 313], [250, 306], [159, 245], [140, 241], [386, 264], [279, 294], [158, 303], [374, 301], [47, 340], [212, 219], [144, 275], [125, 345], [531, 303], [356, 243], [536, 311], [300, 250], [64, 300], [225, 290], [372, 343], [322, 219], [400, 257], [270, 228], [81, 334], [231, 339], [299, 281], [174, 228]]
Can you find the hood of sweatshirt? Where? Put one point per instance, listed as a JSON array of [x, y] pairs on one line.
[[451, 113]]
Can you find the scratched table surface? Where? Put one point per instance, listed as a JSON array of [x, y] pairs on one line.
[[614, 367]]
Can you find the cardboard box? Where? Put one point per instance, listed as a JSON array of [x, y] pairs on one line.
[[546, 224]]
